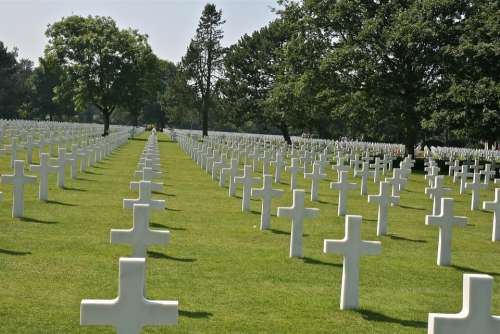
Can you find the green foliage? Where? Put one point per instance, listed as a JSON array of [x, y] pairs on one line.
[[203, 60], [102, 65]]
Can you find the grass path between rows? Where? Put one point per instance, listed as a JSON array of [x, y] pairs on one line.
[[228, 276]]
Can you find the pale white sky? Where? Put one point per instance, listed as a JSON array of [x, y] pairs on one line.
[[170, 24]]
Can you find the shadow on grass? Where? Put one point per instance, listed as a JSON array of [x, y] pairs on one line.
[[157, 225], [375, 316], [410, 207], [397, 237], [37, 221], [59, 203], [309, 260], [12, 252], [138, 139], [74, 189], [98, 167], [275, 231], [84, 179], [472, 270], [175, 210], [164, 194], [369, 220], [322, 202], [158, 255], [255, 212], [91, 172], [195, 314]]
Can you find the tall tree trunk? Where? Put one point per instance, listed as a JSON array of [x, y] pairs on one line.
[[105, 116], [284, 131], [204, 116]]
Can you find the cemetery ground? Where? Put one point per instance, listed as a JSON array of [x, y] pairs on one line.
[[228, 276]]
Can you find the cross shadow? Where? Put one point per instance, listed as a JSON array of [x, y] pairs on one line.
[[158, 255], [375, 316], [12, 252], [138, 139], [237, 196], [254, 212], [472, 270], [37, 221], [194, 314], [369, 220], [84, 179], [59, 203], [321, 202], [93, 173], [164, 194], [275, 231], [410, 207], [98, 167], [175, 210], [157, 225], [74, 189], [309, 260], [396, 237]]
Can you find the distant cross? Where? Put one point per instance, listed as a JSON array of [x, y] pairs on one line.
[[306, 159], [495, 206], [343, 187], [29, 148], [356, 162], [140, 236], [452, 169], [266, 194], [130, 311], [364, 173], [476, 167], [464, 174], [323, 162], [445, 221], [475, 186], [436, 193], [147, 174], [297, 212], [247, 180], [488, 173], [219, 163], [232, 172], [475, 316], [13, 148], [279, 165], [431, 175], [384, 200], [315, 176], [43, 171], [18, 179], [340, 167], [352, 247], [73, 161], [83, 156], [266, 160], [377, 169], [61, 163], [294, 169], [144, 198]]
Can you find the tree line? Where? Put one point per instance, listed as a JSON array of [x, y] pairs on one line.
[[396, 71]]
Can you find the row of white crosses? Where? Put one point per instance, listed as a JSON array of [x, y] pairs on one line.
[[131, 310], [93, 153]]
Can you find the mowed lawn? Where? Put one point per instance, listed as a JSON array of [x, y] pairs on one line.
[[228, 276]]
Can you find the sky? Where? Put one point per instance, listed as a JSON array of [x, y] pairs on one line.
[[170, 24]]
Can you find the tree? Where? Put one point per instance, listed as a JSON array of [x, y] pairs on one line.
[[250, 69], [203, 60], [102, 65], [14, 91], [46, 77]]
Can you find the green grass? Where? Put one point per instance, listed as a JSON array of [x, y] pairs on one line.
[[228, 276]]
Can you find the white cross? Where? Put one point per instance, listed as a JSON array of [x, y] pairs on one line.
[[475, 186], [43, 171], [306, 160], [29, 148], [495, 206], [218, 165], [293, 169], [343, 187], [144, 198], [452, 169], [323, 162], [377, 169], [140, 236], [130, 311], [247, 181], [488, 173], [352, 247], [73, 161], [297, 213], [18, 179], [397, 180], [476, 166], [475, 317], [446, 221], [356, 162], [266, 194], [464, 174], [364, 173], [232, 172], [315, 176], [61, 163], [147, 174], [279, 165], [436, 193], [340, 167], [13, 148], [266, 159], [384, 200], [431, 175], [83, 155]]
